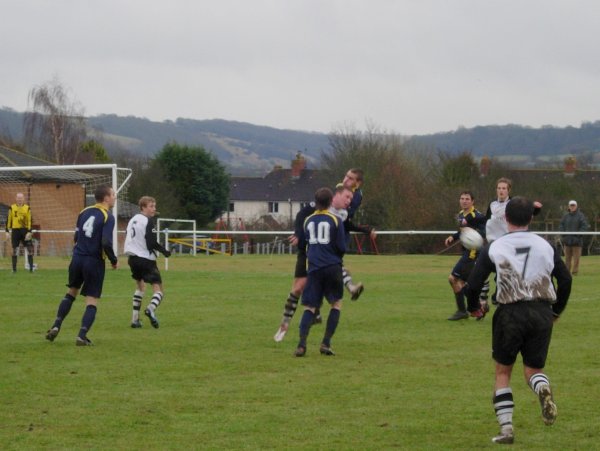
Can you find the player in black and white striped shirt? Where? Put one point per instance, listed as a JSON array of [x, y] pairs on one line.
[[141, 247], [496, 225], [528, 305]]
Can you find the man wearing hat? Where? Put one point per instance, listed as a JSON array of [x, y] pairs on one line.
[[573, 221]]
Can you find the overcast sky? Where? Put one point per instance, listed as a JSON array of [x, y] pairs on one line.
[[406, 66]]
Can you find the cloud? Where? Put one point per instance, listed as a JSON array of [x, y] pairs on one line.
[[411, 67]]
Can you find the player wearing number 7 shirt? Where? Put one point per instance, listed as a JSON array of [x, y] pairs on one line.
[[93, 244], [528, 306], [325, 247]]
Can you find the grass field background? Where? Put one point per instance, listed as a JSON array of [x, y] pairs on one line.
[[211, 377]]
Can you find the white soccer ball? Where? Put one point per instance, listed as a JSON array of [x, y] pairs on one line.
[[470, 238]]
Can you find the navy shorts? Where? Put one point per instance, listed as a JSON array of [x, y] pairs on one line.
[[300, 270], [463, 267], [87, 272], [524, 327], [326, 282], [144, 269]]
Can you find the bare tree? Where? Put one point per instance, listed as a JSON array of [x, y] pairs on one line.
[[54, 124], [393, 178]]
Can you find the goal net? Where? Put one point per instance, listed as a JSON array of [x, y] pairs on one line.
[[56, 195]]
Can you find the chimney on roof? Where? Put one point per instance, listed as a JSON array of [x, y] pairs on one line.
[[298, 165], [484, 166], [570, 166]]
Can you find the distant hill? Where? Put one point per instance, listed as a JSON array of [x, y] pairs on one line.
[[11, 124], [501, 140], [244, 148], [241, 146], [248, 149]]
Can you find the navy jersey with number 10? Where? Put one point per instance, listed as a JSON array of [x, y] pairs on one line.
[[94, 232], [325, 239]]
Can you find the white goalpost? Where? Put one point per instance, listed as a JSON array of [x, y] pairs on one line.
[[166, 231], [56, 195]]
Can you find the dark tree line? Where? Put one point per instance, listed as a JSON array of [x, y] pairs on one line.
[[497, 140], [411, 186]]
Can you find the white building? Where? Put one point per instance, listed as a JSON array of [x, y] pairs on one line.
[[273, 201]]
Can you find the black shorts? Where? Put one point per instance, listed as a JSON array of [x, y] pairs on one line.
[[524, 327], [463, 267], [300, 270], [87, 272], [17, 236], [326, 282], [144, 269]]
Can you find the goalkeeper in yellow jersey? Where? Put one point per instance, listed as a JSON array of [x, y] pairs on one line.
[[18, 226]]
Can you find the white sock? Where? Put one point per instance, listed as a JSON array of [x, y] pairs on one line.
[[537, 381], [137, 304], [504, 406], [155, 301]]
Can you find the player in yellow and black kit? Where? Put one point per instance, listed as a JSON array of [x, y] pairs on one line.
[[18, 226], [467, 217]]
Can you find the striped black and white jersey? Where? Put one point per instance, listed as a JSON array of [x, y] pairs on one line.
[[135, 241], [141, 238], [496, 225], [525, 265]]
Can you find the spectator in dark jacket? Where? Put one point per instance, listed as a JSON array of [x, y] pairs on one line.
[[573, 221]]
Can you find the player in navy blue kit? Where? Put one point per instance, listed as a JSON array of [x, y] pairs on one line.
[[352, 181], [325, 248], [467, 217], [528, 305], [93, 243]]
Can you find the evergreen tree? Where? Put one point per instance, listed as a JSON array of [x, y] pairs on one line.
[[189, 183]]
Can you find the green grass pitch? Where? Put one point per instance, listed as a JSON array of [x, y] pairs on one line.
[[211, 377]]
